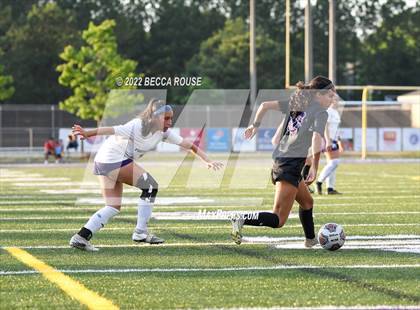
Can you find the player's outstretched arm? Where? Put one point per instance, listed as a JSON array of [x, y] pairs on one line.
[[78, 130], [201, 154], [262, 109]]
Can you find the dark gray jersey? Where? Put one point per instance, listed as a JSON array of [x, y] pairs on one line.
[[298, 127]]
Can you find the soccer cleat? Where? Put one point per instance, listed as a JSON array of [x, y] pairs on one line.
[[81, 243], [319, 188], [333, 192], [237, 223], [144, 236], [309, 243]]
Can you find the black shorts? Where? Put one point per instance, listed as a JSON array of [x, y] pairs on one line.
[[106, 168], [287, 169]]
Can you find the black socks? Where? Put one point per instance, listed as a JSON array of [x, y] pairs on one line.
[[263, 219], [272, 220], [85, 233], [307, 220]]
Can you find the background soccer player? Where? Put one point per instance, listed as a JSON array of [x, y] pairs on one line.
[[333, 150]]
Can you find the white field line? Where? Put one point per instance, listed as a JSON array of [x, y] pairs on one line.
[[355, 237], [379, 175], [199, 216], [38, 202], [167, 201], [129, 245], [379, 307], [183, 216], [221, 227], [363, 240], [329, 307], [346, 187], [20, 175], [162, 205], [26, 196], [222, 269], [135, 190], [93, 186], [32, 179], [344, 197], [395, 243], [373, 191], [72, 191], [60, 184], [220, 202], [208, 208], [402, 248]]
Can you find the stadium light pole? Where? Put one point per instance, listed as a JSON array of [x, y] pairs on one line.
[[308, 42], [1, 125], [332, 54], [252, 65], [287, 46], [53, 120]]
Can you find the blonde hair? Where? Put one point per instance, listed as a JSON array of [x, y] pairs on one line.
[[147, 115]]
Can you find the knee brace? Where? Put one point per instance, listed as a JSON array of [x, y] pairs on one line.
[[148, 186]]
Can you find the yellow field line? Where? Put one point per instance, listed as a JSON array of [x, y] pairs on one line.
[[71, 287]]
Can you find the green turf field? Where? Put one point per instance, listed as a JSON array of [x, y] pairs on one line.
[[199, 266]]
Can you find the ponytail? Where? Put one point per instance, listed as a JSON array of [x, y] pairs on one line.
[[303, 95]]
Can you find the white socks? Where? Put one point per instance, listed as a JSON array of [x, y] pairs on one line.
[[100, 218], [144, 213], [328, 169], [331, 180]]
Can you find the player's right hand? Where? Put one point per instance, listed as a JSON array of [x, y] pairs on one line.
[[250, 132]]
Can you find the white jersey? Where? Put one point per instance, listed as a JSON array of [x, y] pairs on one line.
[[333, 121], [128, 142]]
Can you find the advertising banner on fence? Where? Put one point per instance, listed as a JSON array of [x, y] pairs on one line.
[[240, 144], [194, 135], [411, 139], [169, 147], [371, 139], [264, 136], [389, 139], [218, 139]]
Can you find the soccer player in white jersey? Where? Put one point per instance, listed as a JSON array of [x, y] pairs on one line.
[[114, 164], [332, 151]]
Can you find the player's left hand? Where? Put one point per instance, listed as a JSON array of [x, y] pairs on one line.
[[215, 165], [79, 131], [311, 175]]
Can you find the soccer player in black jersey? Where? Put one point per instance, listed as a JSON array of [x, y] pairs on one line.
[[303, 130]]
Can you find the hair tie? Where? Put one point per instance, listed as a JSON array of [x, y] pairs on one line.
[[163, 109]]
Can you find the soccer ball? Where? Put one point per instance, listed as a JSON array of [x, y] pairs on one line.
[[331, 236]]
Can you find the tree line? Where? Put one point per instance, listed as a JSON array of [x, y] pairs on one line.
[[377, 43]]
